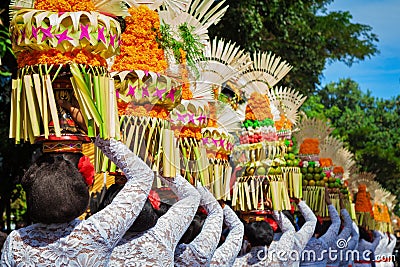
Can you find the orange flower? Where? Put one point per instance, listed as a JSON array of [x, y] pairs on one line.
[[64, 5], [188, 132], [309, 146], [363, 200], [338, 169], [56, 57], [325, 162], [139, 49]]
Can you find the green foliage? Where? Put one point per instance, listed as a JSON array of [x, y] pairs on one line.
[[369, 127], [302, 32], [185, 41]]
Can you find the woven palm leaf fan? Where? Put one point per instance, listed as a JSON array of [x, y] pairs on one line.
[[329, 146], [113, 7], [197, 17], [267, 70], [220, 63], [345, 159], [391, 201], [366, 178], [312, 128], [289, 100], [174, 5]]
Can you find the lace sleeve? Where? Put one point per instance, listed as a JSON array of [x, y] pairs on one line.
[[6, 257], [172, 225], [347, 225], [392, 244], [375, 243], [113, 221], [331, 235], [353, 242], [302, 237], [226, 254], [200, 251], [286, 241]]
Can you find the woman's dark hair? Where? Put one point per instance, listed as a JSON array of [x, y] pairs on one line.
[[259, 233], [146, 219], [365, 234], [3, 237], [194, 229], [55, 189]]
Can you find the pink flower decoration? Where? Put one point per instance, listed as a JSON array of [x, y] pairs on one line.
[[100, 35], [84, 32], [145, 91], [112, 40], [191, 118], [46, 33], [35, 31], [131, 90], [181, 117], [63, 37], [171, 94], [159, 92]]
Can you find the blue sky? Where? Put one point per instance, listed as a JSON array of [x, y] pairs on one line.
[[381, 73]]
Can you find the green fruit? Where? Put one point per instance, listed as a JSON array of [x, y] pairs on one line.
[[318, 183], [310, 169], [290, 149], [271, 171], [305, 182], [322, 183], [292, 156], [289, 162], [317, 177], [278, 171], [296, 162], [331, 185], [331, 180], [261, 171], [286, 156], [338, 181], [309, 176], [303, 170]]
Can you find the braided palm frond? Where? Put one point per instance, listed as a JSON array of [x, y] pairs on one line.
[[366, 178], [267, 70], [312, 128], [289, 100], [329, 147], [16, 5]]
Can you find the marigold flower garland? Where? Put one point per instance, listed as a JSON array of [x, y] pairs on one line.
[[55, 57], [310, 146], [139, 49], [64, 5], [258, 107], [142, 111]]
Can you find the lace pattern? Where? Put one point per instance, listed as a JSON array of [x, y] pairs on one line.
[[343, 235], [88, 242], [156, 246], [200, 251], [226, 254]]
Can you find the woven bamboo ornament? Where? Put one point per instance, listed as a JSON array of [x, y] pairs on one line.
[[289, 100], [312, 128], [267, 70], [113, 7]]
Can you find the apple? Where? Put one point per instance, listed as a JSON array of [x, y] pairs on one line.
[[261, 171]]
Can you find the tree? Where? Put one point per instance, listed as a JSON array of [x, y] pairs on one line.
[[369, 127], [302, 32]]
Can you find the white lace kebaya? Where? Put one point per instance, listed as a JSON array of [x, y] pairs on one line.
[[156, 246], [226, 254], [302, 236], [320, 245], [270, 256], [200, 251], [89, 242]]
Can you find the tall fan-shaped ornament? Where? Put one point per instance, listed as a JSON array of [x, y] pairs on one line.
[[61, 55], [288, 102]]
